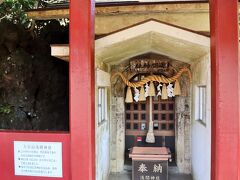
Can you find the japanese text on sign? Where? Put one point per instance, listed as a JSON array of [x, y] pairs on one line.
[[150, 170], [38, 158]]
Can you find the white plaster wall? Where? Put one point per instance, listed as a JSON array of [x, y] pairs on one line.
[[102, 131], [102, 150], [201, 134]]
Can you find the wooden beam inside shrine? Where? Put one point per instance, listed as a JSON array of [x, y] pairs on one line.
[[60, 51]]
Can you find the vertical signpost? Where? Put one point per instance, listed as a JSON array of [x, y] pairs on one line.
[[225, 103], [82, 120]]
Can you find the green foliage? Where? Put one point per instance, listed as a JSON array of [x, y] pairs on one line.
[[5, 109], [14, 10]]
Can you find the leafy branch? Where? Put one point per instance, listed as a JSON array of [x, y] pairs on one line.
[[5, 109], [14, 10]]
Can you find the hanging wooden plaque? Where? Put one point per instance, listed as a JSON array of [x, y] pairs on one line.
[[149, 65]]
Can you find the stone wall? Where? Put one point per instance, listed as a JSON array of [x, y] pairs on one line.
[[183, 127], [183, 134], [33, 85], [117, 134]]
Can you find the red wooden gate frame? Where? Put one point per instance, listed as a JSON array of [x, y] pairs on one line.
[[82, 120], [225, 89]]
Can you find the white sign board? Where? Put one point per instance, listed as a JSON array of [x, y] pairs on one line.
[[38, 158]]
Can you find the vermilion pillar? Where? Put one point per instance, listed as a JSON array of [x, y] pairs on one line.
[[225, 89], [82, 89]]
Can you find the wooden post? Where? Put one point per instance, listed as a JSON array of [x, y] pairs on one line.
[[225, 89], [81, 71]]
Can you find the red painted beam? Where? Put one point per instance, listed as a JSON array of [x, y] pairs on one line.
[[82, 120], [225, 89]]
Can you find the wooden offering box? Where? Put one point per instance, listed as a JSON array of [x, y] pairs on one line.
[[150, 163]]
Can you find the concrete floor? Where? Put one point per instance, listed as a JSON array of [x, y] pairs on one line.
[[173, 175]]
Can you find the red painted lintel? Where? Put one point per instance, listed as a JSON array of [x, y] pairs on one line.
[[81, 70], [225, 89]]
